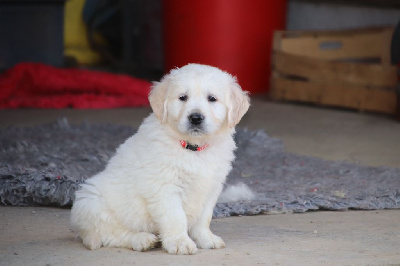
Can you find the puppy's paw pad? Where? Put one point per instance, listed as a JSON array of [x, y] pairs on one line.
[[181, 246], [210, 242], [144, 241]]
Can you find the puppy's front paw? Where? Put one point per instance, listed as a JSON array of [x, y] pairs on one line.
[[182, 245], [207, 240], [212, 241]]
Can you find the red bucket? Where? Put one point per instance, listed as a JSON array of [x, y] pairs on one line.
[[234, 35]]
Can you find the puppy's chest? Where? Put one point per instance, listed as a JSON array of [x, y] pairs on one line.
[[196, 172], [196, 184], [209, 163]]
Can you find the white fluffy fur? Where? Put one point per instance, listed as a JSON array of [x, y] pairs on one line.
[[236, 192], [153, 190]]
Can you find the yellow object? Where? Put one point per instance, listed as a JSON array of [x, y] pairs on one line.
[[76, 43]]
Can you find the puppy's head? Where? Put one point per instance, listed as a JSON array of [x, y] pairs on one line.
[[198, 100]]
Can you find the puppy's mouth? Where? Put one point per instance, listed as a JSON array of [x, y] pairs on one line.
[[196, 131]]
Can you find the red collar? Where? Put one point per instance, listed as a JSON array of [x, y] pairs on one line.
[[192, 147]]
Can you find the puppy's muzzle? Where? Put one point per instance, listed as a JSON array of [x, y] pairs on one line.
[[196, 119]]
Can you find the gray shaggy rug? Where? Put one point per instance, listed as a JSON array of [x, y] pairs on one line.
[[44, 165]]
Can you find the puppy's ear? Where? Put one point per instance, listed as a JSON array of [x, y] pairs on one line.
[[238, 105], [158, 99]]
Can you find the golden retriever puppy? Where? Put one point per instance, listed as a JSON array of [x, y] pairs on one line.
[[163, 182]]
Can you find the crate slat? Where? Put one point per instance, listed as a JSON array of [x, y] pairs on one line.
[[332, 71], [348, 96], [336, 45]]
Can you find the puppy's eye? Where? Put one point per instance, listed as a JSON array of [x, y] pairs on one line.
[[183, 98], [212, 98]]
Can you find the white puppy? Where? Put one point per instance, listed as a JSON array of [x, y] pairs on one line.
[[163, 182]]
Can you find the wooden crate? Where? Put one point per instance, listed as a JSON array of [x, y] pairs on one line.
[[348, 69]]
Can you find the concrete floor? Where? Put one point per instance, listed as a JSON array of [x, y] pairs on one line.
[[41, 236]]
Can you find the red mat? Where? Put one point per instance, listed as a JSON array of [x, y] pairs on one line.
[[37, 85]]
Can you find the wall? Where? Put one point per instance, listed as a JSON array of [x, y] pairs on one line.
[[314, 15]]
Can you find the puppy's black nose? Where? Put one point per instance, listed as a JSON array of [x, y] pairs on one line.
[[196, 119]]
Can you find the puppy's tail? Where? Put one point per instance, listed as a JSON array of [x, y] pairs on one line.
[[238, 192]]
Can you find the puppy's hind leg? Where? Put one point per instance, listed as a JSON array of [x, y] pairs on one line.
[[91, 241], [87, 215], [86, 225], [144, 241], [141, 241], [109, 233]]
